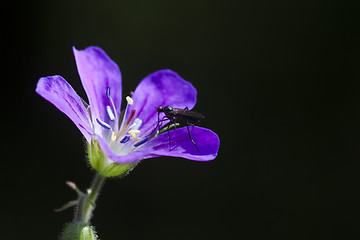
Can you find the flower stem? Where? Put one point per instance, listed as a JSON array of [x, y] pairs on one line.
[[86, 204]]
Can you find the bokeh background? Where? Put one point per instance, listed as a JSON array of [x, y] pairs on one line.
[[277, 80]]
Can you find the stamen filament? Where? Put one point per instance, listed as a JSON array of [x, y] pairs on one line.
[[131, 117]]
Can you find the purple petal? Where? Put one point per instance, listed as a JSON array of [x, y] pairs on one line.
[[56, 90], [161, 88], [99, 75], [181, 146]]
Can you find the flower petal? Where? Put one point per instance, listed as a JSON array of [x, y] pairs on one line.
[[161, 88], [98, 73], [181, 146], [56, 90]]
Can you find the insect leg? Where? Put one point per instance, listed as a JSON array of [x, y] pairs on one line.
[[169, 136], [159, 124], [191, 138]]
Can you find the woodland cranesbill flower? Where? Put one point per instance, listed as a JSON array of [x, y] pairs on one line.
[[119, 140]]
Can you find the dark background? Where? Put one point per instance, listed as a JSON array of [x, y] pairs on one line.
[[278, 82]]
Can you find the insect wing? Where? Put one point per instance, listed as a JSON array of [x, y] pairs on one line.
[[178, 112]]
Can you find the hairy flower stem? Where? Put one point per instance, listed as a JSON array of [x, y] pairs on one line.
[[86, 204]]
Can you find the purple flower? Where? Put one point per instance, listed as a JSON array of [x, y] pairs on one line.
[[125, 140]]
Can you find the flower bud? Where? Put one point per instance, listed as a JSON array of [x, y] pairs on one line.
[[105, 166], [78, 231]]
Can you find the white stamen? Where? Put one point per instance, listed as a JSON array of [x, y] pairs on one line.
[[129, 100], [133, 133], [110, 113]]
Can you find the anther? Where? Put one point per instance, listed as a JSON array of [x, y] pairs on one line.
[[113, 136], [142, 141], [125, 139], [103, 124], [110, 113], [108, 93], [136, 125], [133, 133], [129, 100]]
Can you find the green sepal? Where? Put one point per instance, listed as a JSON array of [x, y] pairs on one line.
[[78, 231], [101, 163]]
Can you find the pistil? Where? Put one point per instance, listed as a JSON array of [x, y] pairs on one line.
[[128, 117]]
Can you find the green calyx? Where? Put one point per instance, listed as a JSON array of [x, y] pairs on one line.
[[78, 231], [101, 163]]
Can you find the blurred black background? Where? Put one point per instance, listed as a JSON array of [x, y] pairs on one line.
[[277, 80]]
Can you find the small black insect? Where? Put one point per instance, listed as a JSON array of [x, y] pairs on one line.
[[179, 116]]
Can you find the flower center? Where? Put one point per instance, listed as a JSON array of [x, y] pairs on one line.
[[119, 137]]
